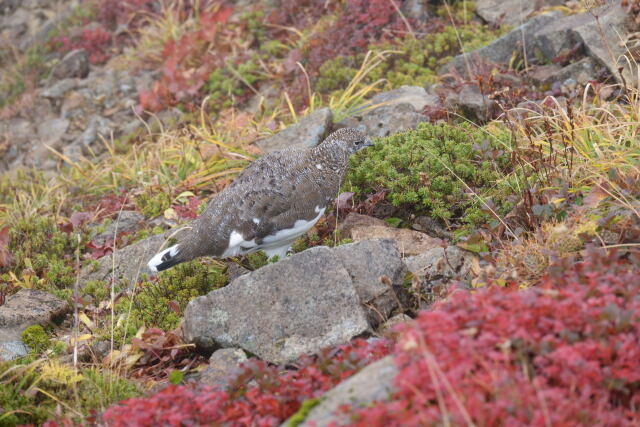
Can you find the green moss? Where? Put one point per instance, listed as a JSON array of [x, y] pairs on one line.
[[415, 61], [431, 171], [226, 83], [156, 302], [152, 205], [36, 338], [306, 407], [40, 247], [89, 390]]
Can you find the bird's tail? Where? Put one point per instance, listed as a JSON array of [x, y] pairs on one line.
[[165, 259]]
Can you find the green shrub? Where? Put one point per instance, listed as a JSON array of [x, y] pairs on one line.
[[35, 338], [178, 285], [39, 246], [430, 171], [31, 393], [414, 62]]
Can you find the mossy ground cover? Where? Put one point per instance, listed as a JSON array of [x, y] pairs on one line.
[[449, 172]]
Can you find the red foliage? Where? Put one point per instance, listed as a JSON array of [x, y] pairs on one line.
[[276, 395], [361, 23], [98, 250], [96, 41], [112, 204], [566, 353], [189, 210], [187, 64]]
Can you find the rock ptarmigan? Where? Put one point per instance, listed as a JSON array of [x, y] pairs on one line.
[[275, 200]]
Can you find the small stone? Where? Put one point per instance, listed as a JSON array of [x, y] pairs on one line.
[[416, 96], [387, 327], [473, 104], [59, 88], [74, 64], [354, 220], [308, 132], [222, 363], [373, 383], [51, 131], [408, 242]]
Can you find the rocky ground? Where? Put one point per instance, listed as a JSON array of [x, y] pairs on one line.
[[480, 265]]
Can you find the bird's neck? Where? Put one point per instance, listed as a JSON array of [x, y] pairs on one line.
[[332, 152]]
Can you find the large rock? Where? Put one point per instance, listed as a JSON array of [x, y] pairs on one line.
[[308, 132], [500, 51], [510, 12], [368, 262], [601, 31], [391, 112], [373, 383], [25, 308], [281, 311]]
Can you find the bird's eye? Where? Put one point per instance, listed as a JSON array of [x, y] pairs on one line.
[[360, 142]]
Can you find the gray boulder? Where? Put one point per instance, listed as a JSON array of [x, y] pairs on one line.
[[25, 308], [500, 51], [317, 298], [308, 132], [373, 383], [281, 311], [510, 12], [601, 31]]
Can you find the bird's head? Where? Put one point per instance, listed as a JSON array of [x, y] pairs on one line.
[[351, 138]]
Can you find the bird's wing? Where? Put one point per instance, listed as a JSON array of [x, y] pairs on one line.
[[269, 208]]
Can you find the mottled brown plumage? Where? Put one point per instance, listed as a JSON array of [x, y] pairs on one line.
[[270, 204]]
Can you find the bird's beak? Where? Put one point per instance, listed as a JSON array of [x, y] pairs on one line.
[[367, 143]]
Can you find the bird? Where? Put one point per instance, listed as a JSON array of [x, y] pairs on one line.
[[272, 202]]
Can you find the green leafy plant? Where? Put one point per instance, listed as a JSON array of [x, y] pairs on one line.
[[448, 172], [161, 303]]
